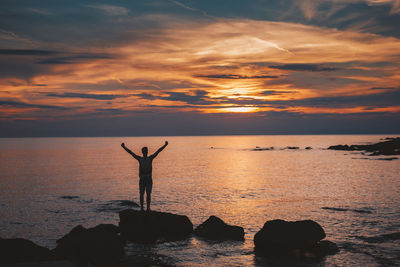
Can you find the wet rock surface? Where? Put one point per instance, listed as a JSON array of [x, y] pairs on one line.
[[100, 246], [153, 226], [216, 229], [298, 239], [16, 250]]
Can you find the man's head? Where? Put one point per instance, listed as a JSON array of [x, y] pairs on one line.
[[145, 151]]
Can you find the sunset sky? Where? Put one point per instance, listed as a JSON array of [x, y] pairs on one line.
[[187, 67]]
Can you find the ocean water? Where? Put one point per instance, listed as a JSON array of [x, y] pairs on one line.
[[50, 185]]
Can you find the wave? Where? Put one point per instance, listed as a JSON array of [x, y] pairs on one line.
[[347, 209], [116, 206], [381, 238]]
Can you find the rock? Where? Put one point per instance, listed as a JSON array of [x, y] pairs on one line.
[[262, 148], [216, 229], [341, 147], [388, 159], [292, 147], [53, 263], [323, 248], [152, 226], [308, 147], [281, 238], [100, 246], [69, 197], [16, 250], [389, 147]]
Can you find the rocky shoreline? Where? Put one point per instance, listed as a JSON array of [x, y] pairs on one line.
[[389, 147], [104, 244]]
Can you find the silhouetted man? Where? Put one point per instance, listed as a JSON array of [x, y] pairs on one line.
[[145, 170]]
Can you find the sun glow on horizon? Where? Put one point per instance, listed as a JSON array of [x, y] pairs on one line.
[[239, 109]]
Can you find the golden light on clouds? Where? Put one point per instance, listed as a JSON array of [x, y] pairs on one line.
[[245, 64]]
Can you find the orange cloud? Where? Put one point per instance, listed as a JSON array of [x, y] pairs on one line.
[[229, 59]]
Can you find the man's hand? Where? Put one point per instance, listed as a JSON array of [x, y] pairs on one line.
[[123, 144], [166, 143]]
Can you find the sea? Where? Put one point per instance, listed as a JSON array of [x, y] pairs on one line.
[[50, 185]]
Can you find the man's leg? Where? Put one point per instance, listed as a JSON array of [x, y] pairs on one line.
[[149, 187], [142, 187]]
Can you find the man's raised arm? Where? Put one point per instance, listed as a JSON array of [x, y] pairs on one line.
[[129, 151], [159, 150]]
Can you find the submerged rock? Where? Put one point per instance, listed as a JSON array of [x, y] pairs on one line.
[[216, 229], [262, 148], [69, 197], [292, 147], [279, 238], [16, 250], [308, 147], [100, 246], [152, 226], [323, 248], [389, 147]]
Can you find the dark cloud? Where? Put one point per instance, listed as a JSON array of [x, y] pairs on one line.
[[27, 64], [201, 99], [198, 97], [73, 22], [303, 67], [378, 100], [28, 105], [146, 96], [27, 52], [161, 85], [276, 92], [342, 15], [383, 88], [321, 81], [235, 76], [89, 96], [384, 99], [77, 23], [74, 59], [20, 69]]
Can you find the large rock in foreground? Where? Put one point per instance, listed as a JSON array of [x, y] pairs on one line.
[[152, 226], [279, 238], [100, 246], [216, 229], [22, 250]]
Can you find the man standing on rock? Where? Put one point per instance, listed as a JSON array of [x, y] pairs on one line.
[[145, 171]]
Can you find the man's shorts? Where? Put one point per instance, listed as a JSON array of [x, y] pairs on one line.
[[145, 183]]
